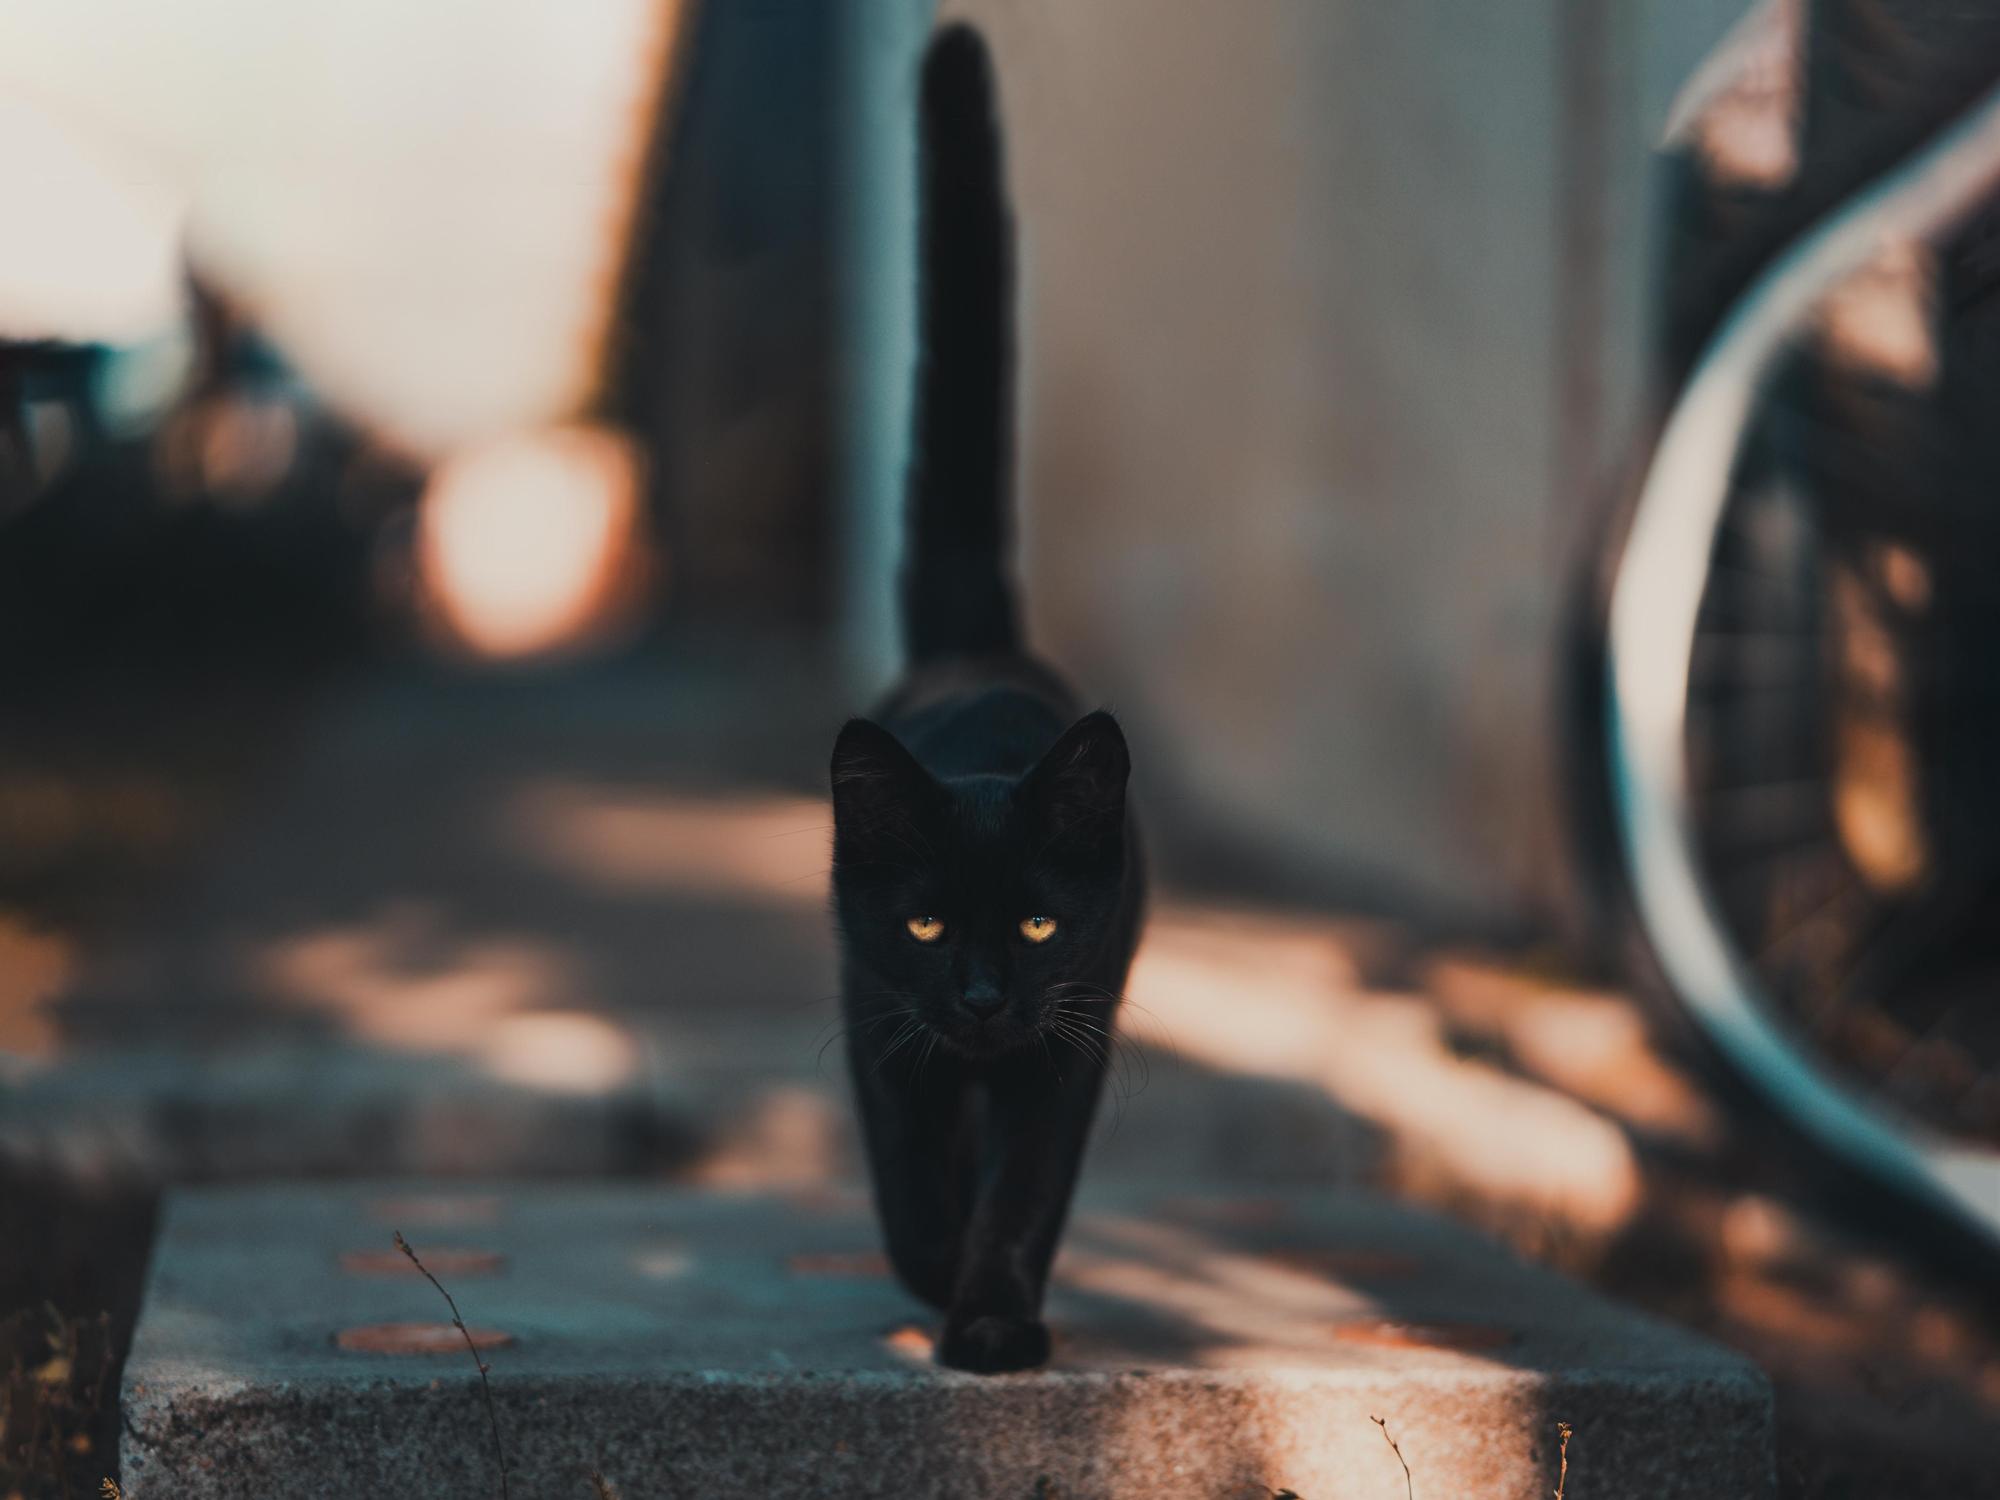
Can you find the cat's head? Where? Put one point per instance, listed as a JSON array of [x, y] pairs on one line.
[[980, 902]]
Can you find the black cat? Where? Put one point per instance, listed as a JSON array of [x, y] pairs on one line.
[[986, 875]]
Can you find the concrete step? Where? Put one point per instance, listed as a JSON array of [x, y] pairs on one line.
[[683, 1343], [179, 1116]]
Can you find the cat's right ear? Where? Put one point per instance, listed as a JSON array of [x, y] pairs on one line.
[[880, 793]]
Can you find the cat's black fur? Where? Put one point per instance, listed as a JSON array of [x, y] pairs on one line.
[[976, 796]]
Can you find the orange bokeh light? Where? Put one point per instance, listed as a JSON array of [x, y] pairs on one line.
[[534, 543]]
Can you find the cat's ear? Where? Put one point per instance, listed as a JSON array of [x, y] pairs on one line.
[[880, 793], [1078, 788]]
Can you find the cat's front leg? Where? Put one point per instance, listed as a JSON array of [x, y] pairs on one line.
[[917, 1137], [1037, 1121]]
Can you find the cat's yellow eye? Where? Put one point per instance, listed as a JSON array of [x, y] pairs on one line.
[[1038, 929], [925, 929]]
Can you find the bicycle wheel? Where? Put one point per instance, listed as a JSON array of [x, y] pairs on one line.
[[1801, 720]]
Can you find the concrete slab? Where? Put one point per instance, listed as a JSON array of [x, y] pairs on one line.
[[687, 1343], [181, 1116]]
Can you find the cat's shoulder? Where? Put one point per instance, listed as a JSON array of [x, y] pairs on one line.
[[973, 715], [975, 683]]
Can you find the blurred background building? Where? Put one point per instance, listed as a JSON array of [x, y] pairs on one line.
[[1335, 329]]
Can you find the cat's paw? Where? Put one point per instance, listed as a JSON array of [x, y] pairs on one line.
[[992, 1345]]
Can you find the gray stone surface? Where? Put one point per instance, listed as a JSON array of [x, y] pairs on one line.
[[179, 1115], [490, 928], [707, 1344]]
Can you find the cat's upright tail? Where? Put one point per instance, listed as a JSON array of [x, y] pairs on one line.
[[957, 596]]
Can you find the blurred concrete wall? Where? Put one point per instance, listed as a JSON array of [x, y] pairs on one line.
[[727, 350], [1335, 320]]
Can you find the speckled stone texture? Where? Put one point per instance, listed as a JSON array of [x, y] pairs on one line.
[[700, 1344]]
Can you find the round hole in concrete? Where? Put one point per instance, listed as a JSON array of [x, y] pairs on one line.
[[1235, 1213], [1389, 1334], [439, 1262], [435, 1210], [417, 1338], [858, 1263], [662, 1262]]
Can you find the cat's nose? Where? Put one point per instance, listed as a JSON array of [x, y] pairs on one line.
[[984, 1001]]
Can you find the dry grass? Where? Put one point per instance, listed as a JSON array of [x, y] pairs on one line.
[[1409, 1485], [54, 1389], [485, 1386]]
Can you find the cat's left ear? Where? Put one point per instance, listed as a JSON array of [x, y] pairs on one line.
[[1078, 788]]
